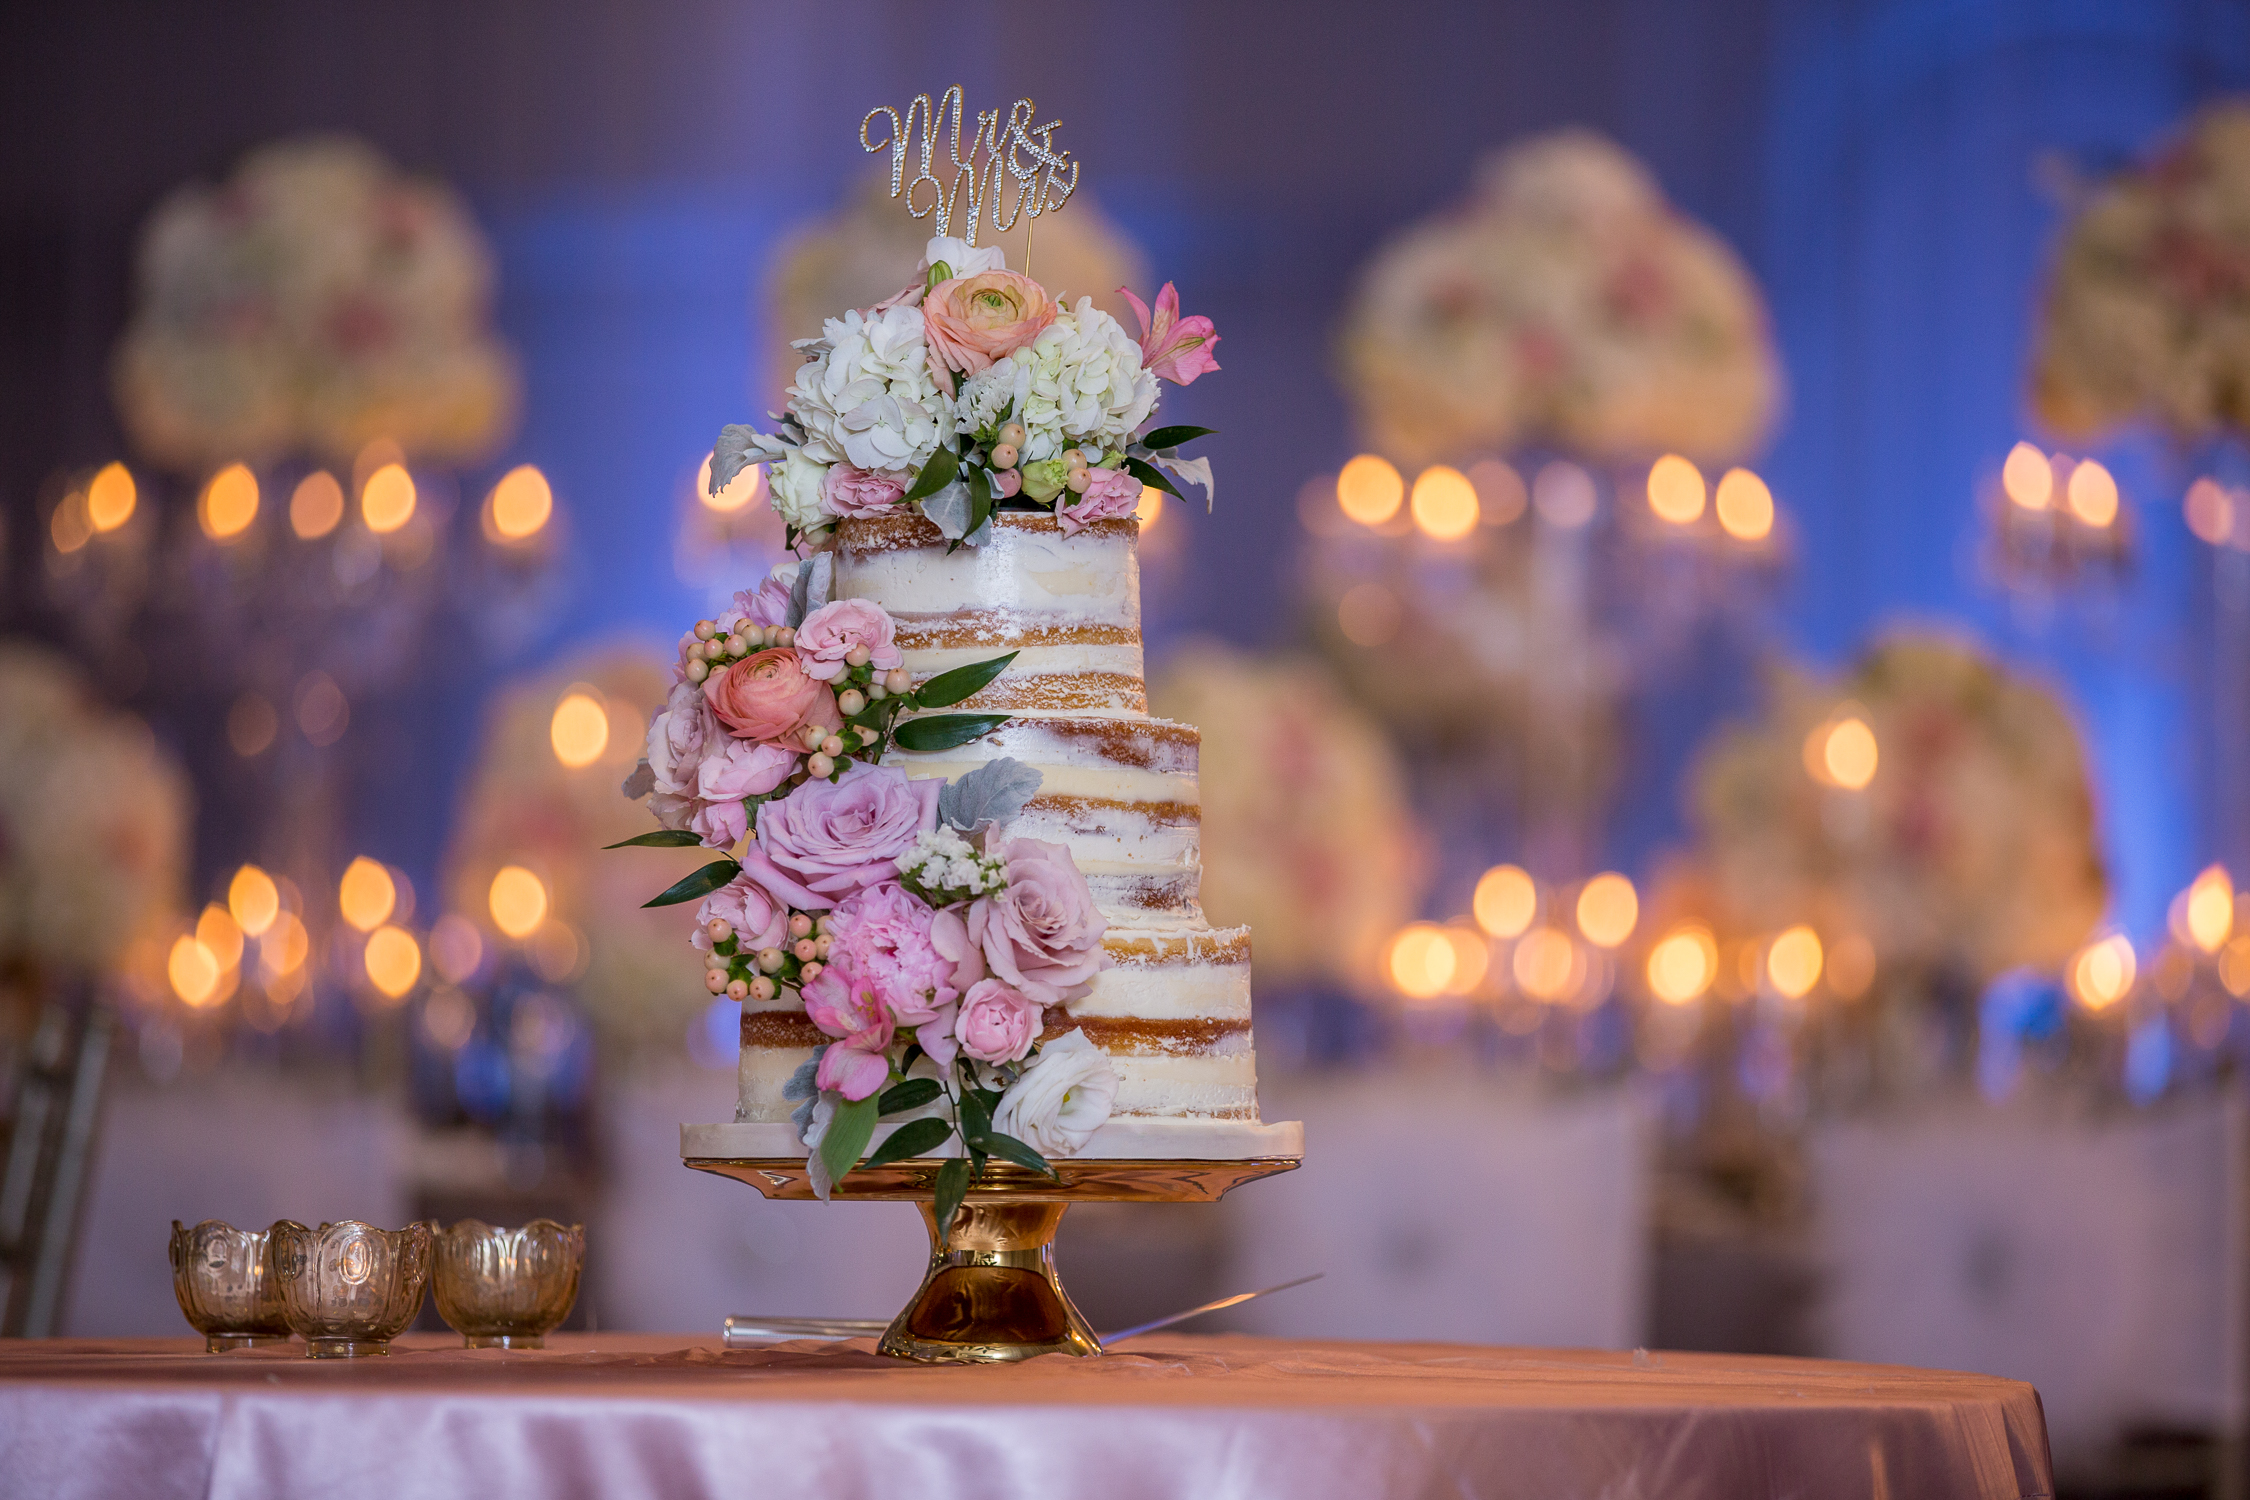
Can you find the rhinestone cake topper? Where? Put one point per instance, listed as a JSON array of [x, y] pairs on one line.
[[1027, 151]]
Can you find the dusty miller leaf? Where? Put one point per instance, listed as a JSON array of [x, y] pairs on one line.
[[640, 783], [736, 449], [993, 793]]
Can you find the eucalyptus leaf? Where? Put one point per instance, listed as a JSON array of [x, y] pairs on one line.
[[949, 688], [1008, 1148], [948, 510], [736, 449], [914, 1138], [952, 1187], [1148, 474], [944, 731], [848, 1135], [912, 1094], [662, 838], [993, 793], [702, 883], [1173, 437], [936, 474]]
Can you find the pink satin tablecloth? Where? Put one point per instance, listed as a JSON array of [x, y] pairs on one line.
[[1166, 1415]]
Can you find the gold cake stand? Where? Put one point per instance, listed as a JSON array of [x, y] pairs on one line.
[[991, 1294]]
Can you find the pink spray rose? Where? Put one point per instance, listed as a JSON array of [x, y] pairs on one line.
[[831, 631], [768, 696], [846, 1007], [849, 490], [735, 769], [1176, 348], [997, 1024], [1043, 934], [758, 920], [1111, 495], [971, 321], [676, 739], [837, 836]]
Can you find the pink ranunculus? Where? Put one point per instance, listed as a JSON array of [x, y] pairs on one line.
[[768, 604], [1176, 348], [849, 490], [1043, 934], [677, 735], [831, 632], [839, 836], [846, 1007], [971, 321], [768, 696], [997, 1024], [882, 934], [758, 920], [1111, 495]]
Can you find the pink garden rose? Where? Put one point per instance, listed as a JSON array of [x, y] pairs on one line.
[[1111, 495], [971, 321], [1176, 348], [835, 837], [1043, 934], [849, 490], [758, 920], [831, 631], [768, 696], [847, 1008], [997, 1024], [733, 770]]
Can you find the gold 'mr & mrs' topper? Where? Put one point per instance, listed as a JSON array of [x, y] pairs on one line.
[[1026, 150]]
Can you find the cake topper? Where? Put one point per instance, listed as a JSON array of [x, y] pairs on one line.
[[1026, 150]]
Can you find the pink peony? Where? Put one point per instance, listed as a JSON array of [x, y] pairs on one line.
[[758, 920], [852, 491], [1111, 495], [883, 935], [768, 696], [831, 632], [735, 769], [971, 321], [1176, 348], [1043, 934], [997, 1024], [847, 1008], [838, 836]]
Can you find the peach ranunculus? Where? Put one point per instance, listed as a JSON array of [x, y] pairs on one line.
[[768, 696], [971, 321]]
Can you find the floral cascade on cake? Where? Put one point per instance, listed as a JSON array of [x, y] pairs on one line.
[[967, 934]]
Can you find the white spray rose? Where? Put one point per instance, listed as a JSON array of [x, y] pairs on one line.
[[1079, 382], [867, 398], [960, 258], [1062, 1098], [795, 483]]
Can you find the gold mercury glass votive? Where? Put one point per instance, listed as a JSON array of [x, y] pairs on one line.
[[349, 1288], [506, 1288], [226, 1289]]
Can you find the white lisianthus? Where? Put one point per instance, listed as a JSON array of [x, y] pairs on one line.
[[867, 398], [961, 258], [795, 483], [1061, 1099], [1079, 382]]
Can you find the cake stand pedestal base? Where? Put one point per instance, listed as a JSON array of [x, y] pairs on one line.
[[991, 1294]]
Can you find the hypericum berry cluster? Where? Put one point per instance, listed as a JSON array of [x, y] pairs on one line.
[[741, 975], [944, 868], [711, 650], [1072, 470]]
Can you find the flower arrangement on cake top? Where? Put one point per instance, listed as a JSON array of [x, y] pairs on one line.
[[925, 943], [973, 389]]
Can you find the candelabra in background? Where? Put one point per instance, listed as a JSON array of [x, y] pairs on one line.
[[2054, 523]]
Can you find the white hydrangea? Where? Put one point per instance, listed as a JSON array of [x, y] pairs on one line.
[[867, 398], [1079, 382], [943, 861], [795, 484]]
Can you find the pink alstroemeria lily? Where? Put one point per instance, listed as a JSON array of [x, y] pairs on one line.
[[1177, 348]]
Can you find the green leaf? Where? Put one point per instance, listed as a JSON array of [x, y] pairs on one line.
[[936, 475], [944, 731], [1172, 437], [847, 1136], [1008, 1148], [914, 1138], [1146, 473], [952, 1187], [912, 1094], [981, 501], [662, 838], [976, 1119], [949, 688], [702, 883]]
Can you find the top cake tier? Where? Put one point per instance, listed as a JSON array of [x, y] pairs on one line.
[[1069, 606]]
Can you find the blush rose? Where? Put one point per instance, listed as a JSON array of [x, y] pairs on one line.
[[831, 632]]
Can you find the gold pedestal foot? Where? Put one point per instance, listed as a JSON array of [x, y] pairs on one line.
[[991, 1295]]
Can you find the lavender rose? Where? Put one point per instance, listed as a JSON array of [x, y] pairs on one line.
[[1042, 934], [831, 632], [997, 1024], [837, 837]]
